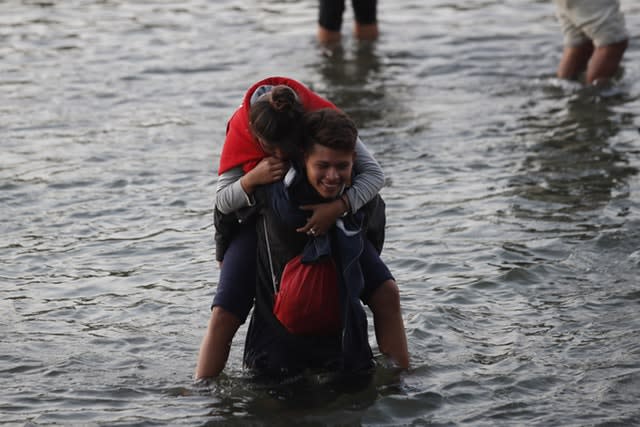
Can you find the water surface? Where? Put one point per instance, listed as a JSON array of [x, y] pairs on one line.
[[512, 202]]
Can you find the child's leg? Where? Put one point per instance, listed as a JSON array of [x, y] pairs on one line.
[[237, 282], [231, 304]]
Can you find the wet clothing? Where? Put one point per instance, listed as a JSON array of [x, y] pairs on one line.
[[599, 21], [331, 11], [269, 348]]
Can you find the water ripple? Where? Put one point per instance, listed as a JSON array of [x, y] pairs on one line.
[[512, 210]]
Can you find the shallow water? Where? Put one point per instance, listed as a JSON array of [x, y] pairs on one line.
[[512, 202]]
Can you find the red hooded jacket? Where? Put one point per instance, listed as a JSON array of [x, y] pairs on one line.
[[240, 147]]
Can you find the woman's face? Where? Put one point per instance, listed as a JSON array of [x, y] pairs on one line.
[[329, 170]]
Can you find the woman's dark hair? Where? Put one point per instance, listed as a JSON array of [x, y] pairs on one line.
[[329, 127], [276, 118]]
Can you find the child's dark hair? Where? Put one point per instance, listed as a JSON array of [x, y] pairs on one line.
[[329, 127], [277, 119]]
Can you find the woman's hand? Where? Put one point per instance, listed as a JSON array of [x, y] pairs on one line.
[[323, 217], [268, 170]]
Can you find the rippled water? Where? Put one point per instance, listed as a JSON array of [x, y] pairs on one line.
[[513, 212]]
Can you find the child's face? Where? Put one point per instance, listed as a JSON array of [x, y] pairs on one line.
[[329, 170], [272, 150]]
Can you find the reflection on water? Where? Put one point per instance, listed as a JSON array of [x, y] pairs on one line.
[[352, 78], [512, 199], [306, 398], [355, 77], [571, 166]]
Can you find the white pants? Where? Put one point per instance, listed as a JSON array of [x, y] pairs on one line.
[[599, 21]]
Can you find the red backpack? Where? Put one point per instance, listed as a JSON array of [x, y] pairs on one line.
[[308, 301]]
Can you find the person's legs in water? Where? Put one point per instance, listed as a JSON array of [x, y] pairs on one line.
[[574, 60], [605, 62], [232, 302], [366, 19], [595, 39], [388, 323], [600, 63], [382, 296], [330, 20], [366, 31]]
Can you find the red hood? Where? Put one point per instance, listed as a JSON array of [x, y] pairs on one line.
[[240, 147]]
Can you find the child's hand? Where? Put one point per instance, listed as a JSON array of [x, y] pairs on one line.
[[268, 170], [323, 217]]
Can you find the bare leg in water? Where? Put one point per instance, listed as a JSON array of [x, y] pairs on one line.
[[388, 323], [600, 63], [362, 32]]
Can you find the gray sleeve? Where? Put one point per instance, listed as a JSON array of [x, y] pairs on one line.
[[368, 179], [229, 193]]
